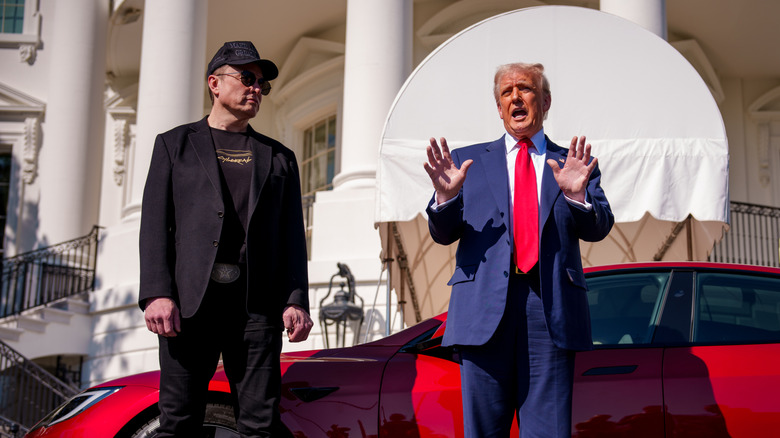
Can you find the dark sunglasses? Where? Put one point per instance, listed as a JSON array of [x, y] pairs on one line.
[[248, 79]]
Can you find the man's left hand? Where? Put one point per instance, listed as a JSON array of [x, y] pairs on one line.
[[573, 177], [297, 323]]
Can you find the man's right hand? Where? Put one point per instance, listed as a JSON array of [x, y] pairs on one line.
[[162, 317], [447, 179]]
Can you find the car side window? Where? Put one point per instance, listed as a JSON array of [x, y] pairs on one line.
[[624, 307], [734, 309]]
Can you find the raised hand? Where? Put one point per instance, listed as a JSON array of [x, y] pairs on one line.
[[573, 177], [446, 177]]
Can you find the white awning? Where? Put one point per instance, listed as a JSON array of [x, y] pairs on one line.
[[654, 126]]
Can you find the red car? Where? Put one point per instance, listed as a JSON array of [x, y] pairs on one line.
[[685, 349]]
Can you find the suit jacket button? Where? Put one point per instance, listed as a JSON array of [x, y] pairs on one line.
[[506, 274], [220, 214], [216, 244]]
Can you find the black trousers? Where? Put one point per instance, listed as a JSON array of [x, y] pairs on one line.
[[250, 352]]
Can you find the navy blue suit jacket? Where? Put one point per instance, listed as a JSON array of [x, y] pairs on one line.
[[479, 218]]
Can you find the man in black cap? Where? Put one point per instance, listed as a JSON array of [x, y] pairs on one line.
[[223, 254]]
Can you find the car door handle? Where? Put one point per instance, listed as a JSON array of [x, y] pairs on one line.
[[605, 371]]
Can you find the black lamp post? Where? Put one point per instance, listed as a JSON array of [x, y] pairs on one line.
[[342, 310]]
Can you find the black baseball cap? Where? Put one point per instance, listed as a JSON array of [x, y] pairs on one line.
[[242, 52]]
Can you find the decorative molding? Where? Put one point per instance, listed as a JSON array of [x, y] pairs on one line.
[[460, 15], [766, 107], [764, 159], [22, 115], [309, 60], [30, 145], [309, 87], [121, 131], [121, 107], [692, 51], [124, 137], [16, 103], [27, 53], [765, 112], [29, 40]]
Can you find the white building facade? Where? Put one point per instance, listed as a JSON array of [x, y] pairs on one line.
[[86, 85]]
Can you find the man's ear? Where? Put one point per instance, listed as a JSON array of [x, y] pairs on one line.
[[547, 102], [213, 83]]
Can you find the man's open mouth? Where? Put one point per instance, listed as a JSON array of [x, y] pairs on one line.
[[519, 112]]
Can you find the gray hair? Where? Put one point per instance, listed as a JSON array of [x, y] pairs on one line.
[[535, 69]]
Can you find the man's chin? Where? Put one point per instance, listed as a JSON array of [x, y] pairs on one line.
[[251, 110]]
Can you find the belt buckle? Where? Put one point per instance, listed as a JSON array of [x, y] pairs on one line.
[[225, 272]]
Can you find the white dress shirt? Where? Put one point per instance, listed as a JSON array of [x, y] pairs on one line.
[[539, 159]]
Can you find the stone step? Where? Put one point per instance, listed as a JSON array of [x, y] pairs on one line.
[[52, 314], [32, 323], [10, 334], [37, 320], [77, 306]]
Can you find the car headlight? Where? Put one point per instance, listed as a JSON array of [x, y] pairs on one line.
[[78, 404]]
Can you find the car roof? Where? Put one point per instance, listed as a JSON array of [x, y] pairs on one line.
[[683, 265]]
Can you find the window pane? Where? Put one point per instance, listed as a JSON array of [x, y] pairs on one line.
[[12, 19], [5, 168], [331, 150], [734, 308], [5, 177], [318, 166], [319, 156], [624, 307], [320, 141]]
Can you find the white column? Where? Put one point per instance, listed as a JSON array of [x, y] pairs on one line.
[[377, 61], [650, 14], [172, 79], [70, 159]]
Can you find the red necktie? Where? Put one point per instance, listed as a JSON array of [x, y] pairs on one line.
[[526, 210]]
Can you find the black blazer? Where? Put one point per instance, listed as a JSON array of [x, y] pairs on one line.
[[182, 216]]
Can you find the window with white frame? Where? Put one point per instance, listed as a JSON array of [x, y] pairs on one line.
[[317, 167], [11, 16], [319, 156], [5, 181], [20, 27]]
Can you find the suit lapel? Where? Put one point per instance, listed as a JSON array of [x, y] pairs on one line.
[[262, 159], [550, 189], [203, 145], [494, 166]]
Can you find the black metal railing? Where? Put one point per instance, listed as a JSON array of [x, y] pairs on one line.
[[27, 392], [753, 238], [39, 277], [11, 429]]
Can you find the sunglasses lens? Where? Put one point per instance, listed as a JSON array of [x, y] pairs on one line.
[[248, 78]]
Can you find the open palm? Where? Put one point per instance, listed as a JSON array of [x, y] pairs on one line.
[[573, 177], [446, 177]]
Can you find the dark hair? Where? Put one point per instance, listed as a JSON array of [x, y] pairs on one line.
[[220, 69]]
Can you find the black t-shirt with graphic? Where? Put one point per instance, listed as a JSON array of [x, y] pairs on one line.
[[236, 161]]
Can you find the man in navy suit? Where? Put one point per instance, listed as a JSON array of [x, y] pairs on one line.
[[223, 254], [518, 308]]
